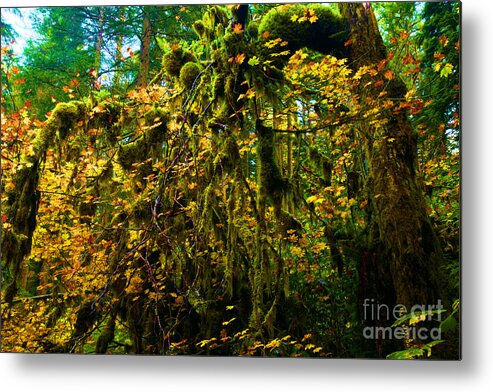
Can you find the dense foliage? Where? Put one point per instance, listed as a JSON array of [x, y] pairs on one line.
[[233, 180]]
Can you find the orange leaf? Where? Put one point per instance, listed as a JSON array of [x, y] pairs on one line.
[[265, 34], [238, 28], [240, 58], [389, 74], [408, 59], [15, 70], [74, 83]]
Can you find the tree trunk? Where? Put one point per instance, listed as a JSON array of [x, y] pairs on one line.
[[402, 234], [97, 61], [145, 49], [119, 47]]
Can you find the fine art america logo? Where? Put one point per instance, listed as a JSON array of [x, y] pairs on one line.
[[382, 314]]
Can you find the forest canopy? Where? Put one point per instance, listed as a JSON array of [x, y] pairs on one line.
[[254, 179]]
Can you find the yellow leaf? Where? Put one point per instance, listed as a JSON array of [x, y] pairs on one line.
[[311, 199], [306, 337], [250, 93], [229, 321]]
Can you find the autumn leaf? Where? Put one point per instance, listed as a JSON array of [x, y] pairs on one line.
[[389, 74], [74, 83], [240, 58], [98, 109], [249, 94], [265, 35], [229, 321], [408, 59], [404, 35], [310, 16], [443, 40], [238, 28]]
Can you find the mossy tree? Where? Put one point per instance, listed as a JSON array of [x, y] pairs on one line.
[[259, 176]]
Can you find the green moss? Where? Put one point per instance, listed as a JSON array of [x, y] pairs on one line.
[[270, 179], [199, 28], [63, 118], [322, 165], [252, 30], [14, 247], [216, 15], [189, 73], [106, 337], [327, 35], [174, 61], [149, 144]]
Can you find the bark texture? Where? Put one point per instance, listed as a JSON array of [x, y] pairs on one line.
[[402, 233]]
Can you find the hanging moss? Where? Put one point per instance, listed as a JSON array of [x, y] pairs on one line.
[[174, 61], [189, 73], [23, 200], [14, 247], [86, 317], [270, 178], [157, 120], [252, 30], [216, 15], [107, 336], [148, 145], [322, 164], [326, 35], [199, 28], [64, 117]]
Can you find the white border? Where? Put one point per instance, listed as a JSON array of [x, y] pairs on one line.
[[82, 373]]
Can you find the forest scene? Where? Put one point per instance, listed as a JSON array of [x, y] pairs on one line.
[[269, 180]]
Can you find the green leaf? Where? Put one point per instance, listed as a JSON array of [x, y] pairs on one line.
[[253, 61], [449, 324], [410, 353], [446, 70]]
